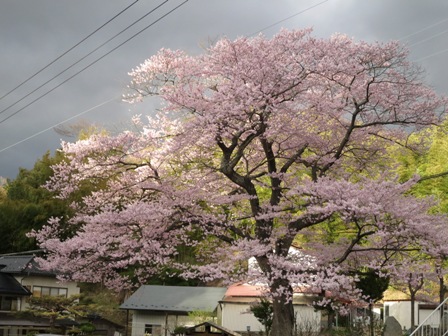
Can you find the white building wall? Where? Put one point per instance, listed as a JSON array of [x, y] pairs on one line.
[[307, 319], [33, 280], [30, 281], [432, 320], [237, 317], [401, 310], [142, 318], [167, 323]]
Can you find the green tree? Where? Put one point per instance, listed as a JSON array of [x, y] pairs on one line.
[[25, 205], [264, 313], [54, 307], [95, 299], [431, 165]]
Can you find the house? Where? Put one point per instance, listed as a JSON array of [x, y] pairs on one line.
[[20, 277], [234, 309], [158, 310]]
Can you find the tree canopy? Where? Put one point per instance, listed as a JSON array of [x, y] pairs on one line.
[[26, 205], [260, 143]]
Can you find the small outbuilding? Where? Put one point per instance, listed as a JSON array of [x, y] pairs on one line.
[[159, 310]]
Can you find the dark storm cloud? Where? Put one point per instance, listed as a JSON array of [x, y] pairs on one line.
[[36, 32]]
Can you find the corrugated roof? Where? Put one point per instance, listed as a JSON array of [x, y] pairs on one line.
[[174, 298]]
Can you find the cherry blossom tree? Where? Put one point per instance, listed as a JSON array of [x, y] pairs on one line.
[[259, 143]]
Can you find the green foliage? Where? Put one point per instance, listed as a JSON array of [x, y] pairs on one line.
[[371, 284], [25, 205], [432, 162], [264, 313], [54, 307], [179, 330], [87, 328], [103, 302], [199, 316]]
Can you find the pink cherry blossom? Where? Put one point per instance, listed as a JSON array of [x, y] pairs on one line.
[[260, 143]]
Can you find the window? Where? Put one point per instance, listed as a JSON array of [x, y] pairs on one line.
[[39, 291], [153, 330], [8, 303]]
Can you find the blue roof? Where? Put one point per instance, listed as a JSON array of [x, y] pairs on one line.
[[174, 298]]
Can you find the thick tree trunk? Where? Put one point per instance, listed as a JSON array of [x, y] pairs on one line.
[[283, 319]]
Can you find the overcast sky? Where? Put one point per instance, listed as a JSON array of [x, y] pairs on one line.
[[36, 32]]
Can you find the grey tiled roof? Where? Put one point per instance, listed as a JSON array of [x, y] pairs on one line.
[[21, 265], [174, 298], [14, 264]]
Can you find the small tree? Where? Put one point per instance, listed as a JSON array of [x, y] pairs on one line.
[[263, 312], [54, 307], [199, 316]]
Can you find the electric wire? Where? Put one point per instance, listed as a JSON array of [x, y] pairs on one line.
[[431, 55], [94, 62], [428, 38], [261, 30], [49, 128], [413, 44], [289, 17], [83, 58], [70, 49], [60, 123], [423, 29], [113, 37]]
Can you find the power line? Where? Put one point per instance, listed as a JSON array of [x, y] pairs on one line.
[[49, 128], [425, 28], [289, 17], [82, 58], [66, 52], [431, 55], [428, 38], [60, 123], [95, 61]]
